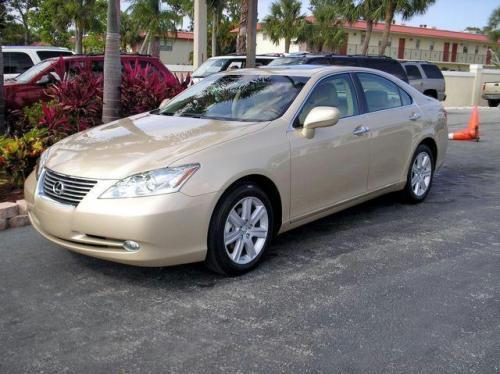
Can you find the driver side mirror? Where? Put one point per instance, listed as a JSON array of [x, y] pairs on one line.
[[321, 116]]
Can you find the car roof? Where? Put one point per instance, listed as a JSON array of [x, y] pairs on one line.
[[234, 57], [99, 57], [34, 47]]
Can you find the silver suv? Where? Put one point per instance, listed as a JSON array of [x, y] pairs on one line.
[[426, 77]]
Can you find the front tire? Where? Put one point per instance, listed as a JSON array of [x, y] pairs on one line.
[[240, 230], [420, 175]]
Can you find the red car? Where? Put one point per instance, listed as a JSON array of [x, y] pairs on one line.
[[29, 87]]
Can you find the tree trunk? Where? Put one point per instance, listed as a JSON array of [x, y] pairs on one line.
[[155, 47], [368, 35], [287, 45], [112, 65], [241, 42], [215, 21], [78, 38], [2, 100], [144, 44], [389, 16]]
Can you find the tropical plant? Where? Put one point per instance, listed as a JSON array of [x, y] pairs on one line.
[[144, 88], [129, 32], [406, 8], [215, 7], [285, 21], [2, 100], [241, 41], [156, 20], [112, 65], [18, 155], [493, 27], [327, 32]]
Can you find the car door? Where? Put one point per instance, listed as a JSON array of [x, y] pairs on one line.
[[391, 118], [414, 76], [332, 166]]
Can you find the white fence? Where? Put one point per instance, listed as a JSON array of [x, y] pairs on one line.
[[180, 71], [464, 88]]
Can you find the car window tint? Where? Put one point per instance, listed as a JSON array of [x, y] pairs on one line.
[[49, 54], [344, 61], [263, 61], [336, 91], [319, 61], [413, 72], [16, 62], [432, 71], [380, 93]]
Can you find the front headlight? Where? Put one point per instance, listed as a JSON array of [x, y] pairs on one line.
[[154, 182], [40, 164]]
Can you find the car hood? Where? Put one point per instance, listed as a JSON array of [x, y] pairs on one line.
[[140, 143]]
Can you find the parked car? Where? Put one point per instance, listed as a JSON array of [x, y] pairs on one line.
[[381, 63], [490, 91], [234, 160], [18, 59], [222, 63], [427, 78], [29, 87]]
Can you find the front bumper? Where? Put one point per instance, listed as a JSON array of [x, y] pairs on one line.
[[171, 229]]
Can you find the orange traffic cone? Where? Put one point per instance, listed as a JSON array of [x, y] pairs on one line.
[[472, 130]]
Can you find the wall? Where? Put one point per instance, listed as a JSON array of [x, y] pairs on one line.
[[181, 50], [464, 88], [265, 45]]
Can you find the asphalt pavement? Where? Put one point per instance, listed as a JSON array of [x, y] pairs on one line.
[[382, 287]]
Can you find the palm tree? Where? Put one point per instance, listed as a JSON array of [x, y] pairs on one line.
[[327, 32], [84, 15], [155, 20], [215, 7], [368, 10], [112, 65], [241, 42], [2, 101], [284, 21], [407, 8]]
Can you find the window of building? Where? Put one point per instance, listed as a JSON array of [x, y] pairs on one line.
[[167, 45], [465, 49], [476, 50], [417, 43], [431, 46]]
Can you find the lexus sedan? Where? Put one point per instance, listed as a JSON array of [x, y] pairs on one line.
[[217, 172]]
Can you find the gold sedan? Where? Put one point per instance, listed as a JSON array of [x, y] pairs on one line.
[[234, 160]]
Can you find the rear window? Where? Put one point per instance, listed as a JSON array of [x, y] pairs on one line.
[[287, 61], [387, 65], [50, 54], [413, 72], [16, 62], [432, 71], [345, 61]]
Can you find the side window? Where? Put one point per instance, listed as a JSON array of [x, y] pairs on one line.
[[16, 62], [413, 72], [319, 61], [336, 91], [432, 71], [405, 98], [380, 93], [263, 61], [235, 65]]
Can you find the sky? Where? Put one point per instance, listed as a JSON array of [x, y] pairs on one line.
[[453, 15]]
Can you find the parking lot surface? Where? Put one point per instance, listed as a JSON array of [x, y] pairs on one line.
[[382, 287]]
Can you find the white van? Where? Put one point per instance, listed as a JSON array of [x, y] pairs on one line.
[[18, 59]]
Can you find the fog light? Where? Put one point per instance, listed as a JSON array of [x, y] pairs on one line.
[[131, 246]]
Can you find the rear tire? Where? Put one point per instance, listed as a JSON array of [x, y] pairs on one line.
[[420, 175], [493, 103], [240, 230]]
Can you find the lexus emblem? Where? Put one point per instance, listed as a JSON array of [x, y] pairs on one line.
[[58, 188]]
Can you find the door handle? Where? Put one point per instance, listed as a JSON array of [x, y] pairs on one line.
[[360, 130], [414, 116]]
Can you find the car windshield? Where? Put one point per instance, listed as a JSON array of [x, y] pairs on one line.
[[287, 61], [32, 72], [237, 98], [211, 66]]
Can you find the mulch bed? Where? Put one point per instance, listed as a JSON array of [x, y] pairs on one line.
[[9, 193]]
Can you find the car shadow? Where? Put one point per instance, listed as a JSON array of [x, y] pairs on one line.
[[196, 276]]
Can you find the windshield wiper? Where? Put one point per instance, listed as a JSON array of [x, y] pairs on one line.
[[192, 115]]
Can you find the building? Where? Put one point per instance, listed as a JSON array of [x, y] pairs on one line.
[[450, 49], [178, 50]]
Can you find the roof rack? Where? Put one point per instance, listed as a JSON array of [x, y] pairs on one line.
[[371, 56]]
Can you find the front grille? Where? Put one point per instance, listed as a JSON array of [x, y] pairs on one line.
[[65, 189]]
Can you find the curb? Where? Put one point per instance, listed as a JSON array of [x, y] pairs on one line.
[[13, 215]]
